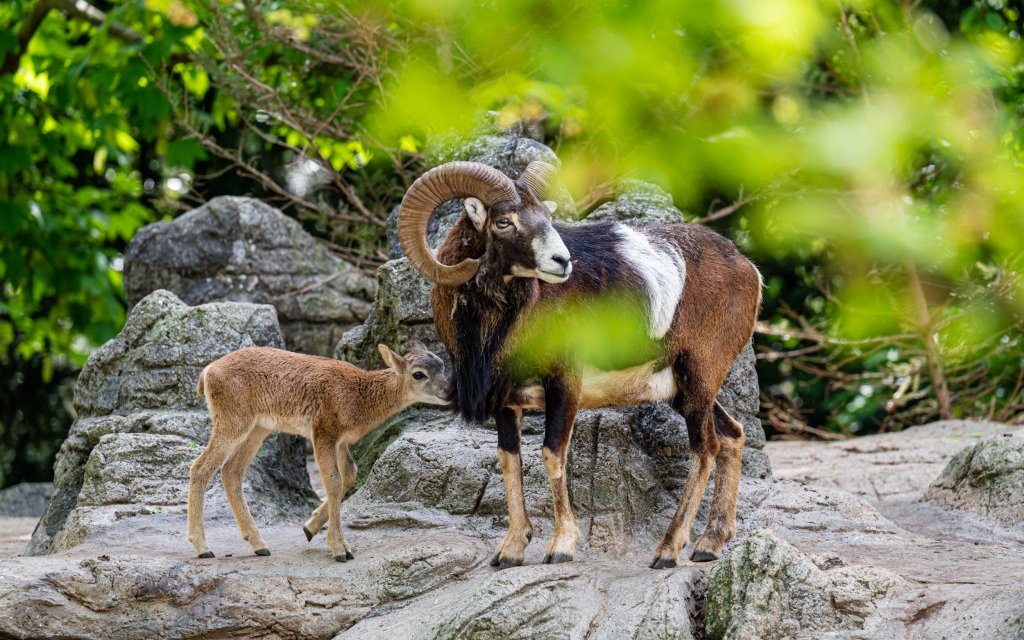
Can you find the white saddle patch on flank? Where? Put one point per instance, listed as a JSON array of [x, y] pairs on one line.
[[664, 274]]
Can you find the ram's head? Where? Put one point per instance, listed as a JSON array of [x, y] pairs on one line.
[[509, 216]]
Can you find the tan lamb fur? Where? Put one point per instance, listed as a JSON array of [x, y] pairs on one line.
[[255, 391]]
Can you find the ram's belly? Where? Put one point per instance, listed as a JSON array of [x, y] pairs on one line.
[[621, 388], [626, 387]]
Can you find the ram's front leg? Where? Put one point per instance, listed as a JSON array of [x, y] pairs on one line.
[[512, 549], [563, 398]]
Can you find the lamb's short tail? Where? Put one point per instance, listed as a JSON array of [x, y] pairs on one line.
[[200, 387]]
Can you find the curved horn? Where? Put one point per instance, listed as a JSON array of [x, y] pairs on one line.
[[440, 184], [537, 177]]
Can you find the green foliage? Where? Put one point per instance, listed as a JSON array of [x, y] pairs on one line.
[[608, 333], [34, 417]]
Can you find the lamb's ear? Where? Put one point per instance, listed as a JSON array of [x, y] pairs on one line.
[[391, 359], [476, 212], [551, 206]]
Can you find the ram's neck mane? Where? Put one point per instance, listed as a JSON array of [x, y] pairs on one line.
[[474, 321]]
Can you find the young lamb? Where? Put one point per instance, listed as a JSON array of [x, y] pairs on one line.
[[254, 391]]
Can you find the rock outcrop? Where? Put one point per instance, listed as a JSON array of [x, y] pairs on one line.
[[242, 250], [637, 201], [987, 477], [766, 589], [25, 500], [140, 423]]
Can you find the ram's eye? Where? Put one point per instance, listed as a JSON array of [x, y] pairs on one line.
[[419, 375], [503, 223]]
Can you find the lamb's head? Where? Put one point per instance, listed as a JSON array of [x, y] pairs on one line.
[[508, 215], [423, 372]]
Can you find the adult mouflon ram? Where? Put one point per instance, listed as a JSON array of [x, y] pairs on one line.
[[504, 259]]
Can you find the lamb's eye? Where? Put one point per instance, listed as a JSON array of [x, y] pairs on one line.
[[419, 375], [503, 223]]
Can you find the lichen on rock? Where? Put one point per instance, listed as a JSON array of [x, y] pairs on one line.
[[986, 477]]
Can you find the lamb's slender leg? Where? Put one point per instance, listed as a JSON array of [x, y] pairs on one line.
[[695, 403], [562, 399], [325, 450], [232, 474], [319, 517], [200, 473], [722, 521], [512, 549]]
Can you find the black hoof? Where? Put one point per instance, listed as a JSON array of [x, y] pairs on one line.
[[663, 563], [507, 563], [529, 536], [309, 534], [341, 558], [703, 556], [557, 558], [262, 552], [206, 554], [348, 554]]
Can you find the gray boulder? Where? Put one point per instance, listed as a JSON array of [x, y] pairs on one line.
[[400, 315], [766, 589], [25, 499], [639, 201], [242, 250], [140, 424], [987, 478]]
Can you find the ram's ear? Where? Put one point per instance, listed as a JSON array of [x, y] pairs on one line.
[[391, 359], [476, 212], [551, 206]]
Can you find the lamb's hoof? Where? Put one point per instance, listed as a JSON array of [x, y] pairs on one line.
[[557, 558], [206, 554], [703, 556], [350, 555], [262, 552], [309, 534], [663, 563], [505, 563], [341, 558]]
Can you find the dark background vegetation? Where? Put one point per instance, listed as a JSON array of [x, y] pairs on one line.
[[866, 154]]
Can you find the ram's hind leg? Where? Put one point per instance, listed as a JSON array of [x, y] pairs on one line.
[[512, 549], [695, 403], [232, 475], [562, 403], [722, 521]]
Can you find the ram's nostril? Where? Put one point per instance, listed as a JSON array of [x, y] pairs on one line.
[[562, 261]]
